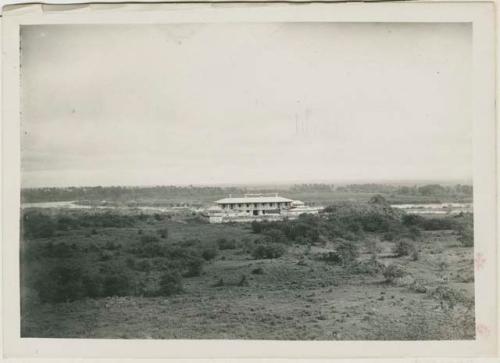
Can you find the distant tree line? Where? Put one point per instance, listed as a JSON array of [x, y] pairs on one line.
[[125, 194], [322, 188], [416, 190], [191, 194]]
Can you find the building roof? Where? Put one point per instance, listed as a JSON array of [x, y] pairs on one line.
[[253, 200]]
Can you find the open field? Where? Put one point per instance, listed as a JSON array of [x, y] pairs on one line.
[[328, 279]]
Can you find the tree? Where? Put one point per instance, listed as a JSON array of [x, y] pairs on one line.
[[170, 283]]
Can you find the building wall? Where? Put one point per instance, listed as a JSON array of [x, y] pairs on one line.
[[261, 208]]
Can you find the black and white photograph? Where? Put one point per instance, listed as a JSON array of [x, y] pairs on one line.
[[260, 180]]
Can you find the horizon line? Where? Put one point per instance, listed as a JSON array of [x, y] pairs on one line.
[[344, 182]]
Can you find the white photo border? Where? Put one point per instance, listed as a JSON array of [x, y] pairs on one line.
[[482, 17]]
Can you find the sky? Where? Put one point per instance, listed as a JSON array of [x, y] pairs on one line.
[[245, 103]]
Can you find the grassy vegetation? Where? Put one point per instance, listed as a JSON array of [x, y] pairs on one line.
[[360, 270], [323, 194]]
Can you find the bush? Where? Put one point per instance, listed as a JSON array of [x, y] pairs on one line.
[[170, 283], [143, 265], [60, 283], [404, 248], [466, 236], [393, 272], [131, 262], [59, 250], [116, 284], [105, 255], [371, 266], [256, 227], [209, 253], [347, 251], [92, 285], [372, 247], [410, 220], [194, 267], [268, 251], [331, 257], [37, 225], [414, 233], [275, 235], [428, 223], [159, 217], [389, 236], [149, 250], [188, 260], [163, 232], [146, 239], [225, 244], [110, 245], [258, 271]]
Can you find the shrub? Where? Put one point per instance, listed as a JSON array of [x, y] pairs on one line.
[[466, 236], [275, 235], [404, 248], [59, 250], [105, 255], [410, 220], [116, 284], [378, 199], [415, 255], [414, 233], [371, 246], [131, 262], [268, 251], [347, 251], [143, 265], [225, 244], [159, 217], [92, 285], [256, 227], [60, 283], [243, 281], [393, 272], [149, 250], [194, 267], [247, 244], [209, 253], [437, 224], [371, 266], [188, 260], [330, 256], [170, 283], [146, 239], [389, 236], [450, 297], [37, 225], [258, 271], [163, 232], [110, 245]]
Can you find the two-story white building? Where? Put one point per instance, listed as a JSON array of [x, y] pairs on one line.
[[256, 207]]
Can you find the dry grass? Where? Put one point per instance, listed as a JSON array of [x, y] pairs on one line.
[[293, 297]]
